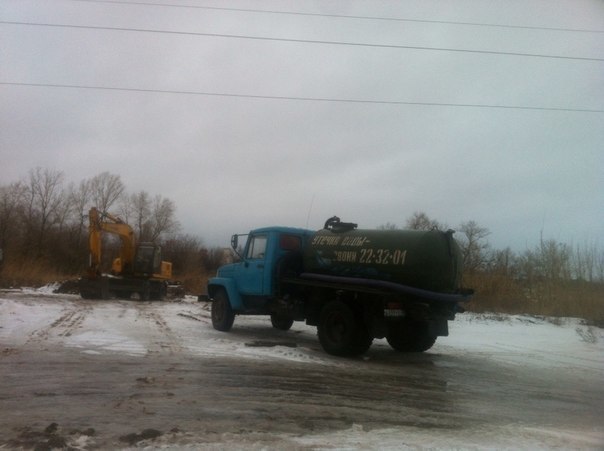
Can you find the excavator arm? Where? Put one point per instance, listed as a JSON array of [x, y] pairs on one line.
[[102, 222]]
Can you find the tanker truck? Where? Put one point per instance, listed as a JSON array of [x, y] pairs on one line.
[[353, 284]]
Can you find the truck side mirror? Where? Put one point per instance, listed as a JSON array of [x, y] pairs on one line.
[[234, 242]]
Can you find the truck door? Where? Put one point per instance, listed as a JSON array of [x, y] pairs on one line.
[[251, 275]]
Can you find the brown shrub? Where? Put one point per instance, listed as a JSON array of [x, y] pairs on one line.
[[38, 273], [194, 282], [544, 297], [35, 273]]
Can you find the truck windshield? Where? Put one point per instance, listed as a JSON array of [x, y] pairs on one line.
[[257, 247]]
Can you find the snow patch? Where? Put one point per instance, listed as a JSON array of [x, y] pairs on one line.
[[46, 289], [507, 437]]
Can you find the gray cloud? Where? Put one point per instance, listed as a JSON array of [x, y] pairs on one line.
[[232, 163]]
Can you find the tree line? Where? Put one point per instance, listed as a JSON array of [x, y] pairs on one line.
[[552, 278], [44, 218], [548, 260], [44, 227], [44, 222]]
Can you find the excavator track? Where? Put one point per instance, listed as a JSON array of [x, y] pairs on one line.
[[108, 287]]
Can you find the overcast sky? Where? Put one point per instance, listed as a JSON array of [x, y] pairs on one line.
[[243, 132]]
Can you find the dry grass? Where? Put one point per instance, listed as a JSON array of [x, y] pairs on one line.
[[493, 293], [40, 273], [31, 274], [562, 298], [194, 282]]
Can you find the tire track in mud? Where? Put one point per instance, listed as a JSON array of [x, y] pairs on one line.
[[169, 341], [65, 325], [124, 310], [195, 317]]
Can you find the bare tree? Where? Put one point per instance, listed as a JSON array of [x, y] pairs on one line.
[[473, 245], [554, 259], [599, 266], [45, 198], [185, 252], [162, 218], [387, 226], [585, 261], [39, 217], [151, 218], [11, 201], [106, 189], [502, 261], [79, 199], [140, 211], [213, 258], [421, 221]]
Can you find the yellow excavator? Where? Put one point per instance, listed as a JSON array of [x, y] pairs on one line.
[[138, 270]]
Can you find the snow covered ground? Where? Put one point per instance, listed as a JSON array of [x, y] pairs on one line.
[[513, 339], [567, 348]]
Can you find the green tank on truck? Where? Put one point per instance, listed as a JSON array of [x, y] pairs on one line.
[[430, 260], [355, 285]]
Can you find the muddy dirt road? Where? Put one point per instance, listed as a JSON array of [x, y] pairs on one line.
[[122, 374]]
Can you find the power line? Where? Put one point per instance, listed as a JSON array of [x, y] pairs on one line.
[[302, 41], [343, 16], [304, 99]]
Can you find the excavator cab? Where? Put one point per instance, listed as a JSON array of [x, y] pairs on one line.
[[147, 264], [147, 260]]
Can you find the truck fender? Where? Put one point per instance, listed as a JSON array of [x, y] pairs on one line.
[[230, 288]]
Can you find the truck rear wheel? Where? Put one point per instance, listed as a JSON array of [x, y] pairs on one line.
[[222, 313], [411, 336], [363, 339], [281, 322], [339, 332]]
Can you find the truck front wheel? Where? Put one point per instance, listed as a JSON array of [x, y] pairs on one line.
[[411, 336], [337, 330], [222, 313]]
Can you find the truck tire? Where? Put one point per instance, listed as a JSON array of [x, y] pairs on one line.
[[281, 322], [411, 336], [337, 330], [222, 313], [363, 339]]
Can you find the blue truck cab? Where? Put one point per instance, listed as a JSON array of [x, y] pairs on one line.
[[250, 285]]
